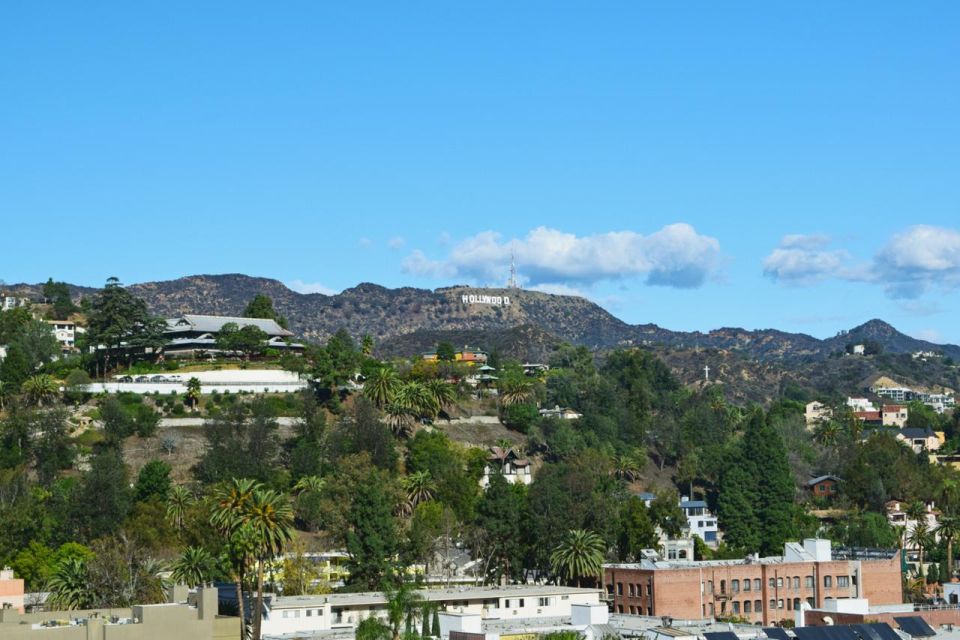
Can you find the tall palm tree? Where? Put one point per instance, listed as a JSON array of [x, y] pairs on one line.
[[417, 399], [195, 567], [419, 487], [381, 386], [401, 604], [230, 501], [920, 538], [193, 393], [949, 529], [628, 466], [177, 502], [580, 554], [827, 433], [69, 586], [269, 515], [40, 389]]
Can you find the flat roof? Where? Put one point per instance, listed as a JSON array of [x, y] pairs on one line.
[[430, 595]]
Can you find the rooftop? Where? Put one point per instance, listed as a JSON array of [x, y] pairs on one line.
[[430, 595]]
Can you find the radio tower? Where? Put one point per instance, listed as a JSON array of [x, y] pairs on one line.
[[512, 282]]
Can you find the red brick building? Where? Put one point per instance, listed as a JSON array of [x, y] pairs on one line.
[[765, 590]]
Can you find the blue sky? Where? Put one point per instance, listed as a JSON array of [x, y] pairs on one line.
[[697, 165]]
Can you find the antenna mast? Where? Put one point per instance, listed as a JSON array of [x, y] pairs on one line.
[[512, 282]]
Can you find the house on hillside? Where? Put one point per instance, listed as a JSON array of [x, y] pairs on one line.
[[514, 468], [817, 412], [824, 486], [700, 520], [191, 334], [894, 415], [66, 333], [468, 354], [860, 404], [560, 414], [869, 418]]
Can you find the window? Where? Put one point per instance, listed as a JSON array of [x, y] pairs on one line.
[[747, 606], [757, 584], [746, 584], [827, 582], [521, 603], [773, 604], [633, 611], [796, 582], [309, 612], [709, 586], [757, 606], [735, 586], [736, 608], [773, 583], [286, 614], [843, 581], [633, 591], [543, 602], [808, 582], [619, 588], [723, 586], [779, 583], [796, 603]]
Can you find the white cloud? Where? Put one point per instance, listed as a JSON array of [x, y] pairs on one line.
[[396, 242], [930, 335], [675, 256], [804, 259], [309, 287], [912, 262], [364, 243], [921, 257], [559, 289]]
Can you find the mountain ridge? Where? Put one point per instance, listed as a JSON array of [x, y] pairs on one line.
[[407, 312]]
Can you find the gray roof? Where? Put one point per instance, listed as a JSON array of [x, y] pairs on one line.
[[693, 504], [368, 598], [213, 324], [820, 479]]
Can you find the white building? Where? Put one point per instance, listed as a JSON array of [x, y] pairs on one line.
[[66, 333], [588, 621], [860, 404], [700, 521], [514, 468], [8, 302], [310, 614], [859, 349], [817, 412], [560, 414]]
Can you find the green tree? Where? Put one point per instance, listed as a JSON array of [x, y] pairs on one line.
[[580, 555], [193, 392], [153, 481], [69, 586], [419, 487], [248, 340], [261, 306], [637, 530], [40, 389], [373, 628], [178, 501], [371, 538], [948, 530], [500, 515], [446, 352], [194, 568], [57, 294], [381, 386], [119, 324], [104, 497]]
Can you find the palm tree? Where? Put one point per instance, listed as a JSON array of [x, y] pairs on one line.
[[417, 399], [270, 517], [920, 538], [373, 628], [194, 568], [381, 386], [827, 433], [580, 554], [366, 345], [419, 487], [40, 388], [515, 390], [230, 502], [193, 393], [629, 465], [177, 502], [309, 484], [398, 418], [949, 529], [69, 585], [401, 603], [444, 394]]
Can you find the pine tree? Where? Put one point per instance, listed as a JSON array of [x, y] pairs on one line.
[[775, 486], [372, 538], [736, 506]]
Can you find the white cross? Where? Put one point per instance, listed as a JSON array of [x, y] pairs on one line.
[[706, 373]]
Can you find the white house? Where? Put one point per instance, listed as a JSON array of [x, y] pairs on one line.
[[515, 469], [860, 404], [311, 614], [816, 412], [700, 521], [66, 333]]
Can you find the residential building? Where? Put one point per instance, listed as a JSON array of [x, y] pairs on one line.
[[560, 414], [817, 412], [897, 394], [824, 486], [920, 439], [859, 349], [9, 301], [860, 404], [11, 590], [468, 354], [894, 415], [761, 590], [310, 614], [66, 333], [587, 621], [186, 617], [508, 462], [897, 516], [192, 335], [870, 418], [700, 520]]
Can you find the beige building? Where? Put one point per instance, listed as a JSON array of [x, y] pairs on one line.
[[195, 618]]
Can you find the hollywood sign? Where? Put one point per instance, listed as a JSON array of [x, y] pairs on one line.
[[497, 301]]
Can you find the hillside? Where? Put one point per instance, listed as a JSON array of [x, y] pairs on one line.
[[409, 319]]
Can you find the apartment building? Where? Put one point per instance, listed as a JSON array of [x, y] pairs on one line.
[[760, 590]]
